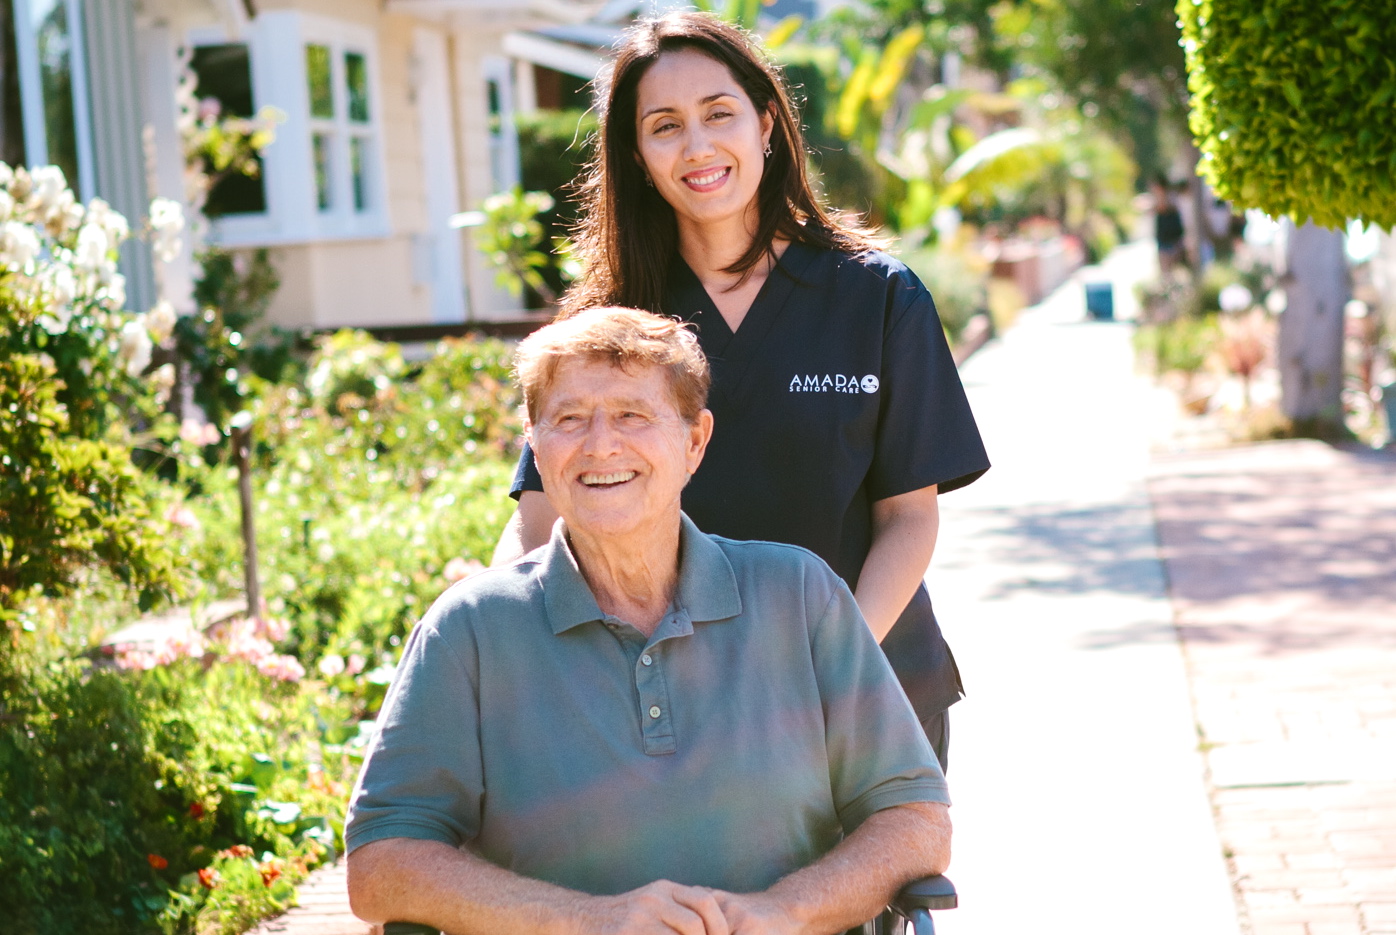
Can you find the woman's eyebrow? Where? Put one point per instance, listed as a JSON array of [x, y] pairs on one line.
[[670, 110]]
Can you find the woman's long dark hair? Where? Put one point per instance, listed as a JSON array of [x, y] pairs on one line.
[[628, 234]]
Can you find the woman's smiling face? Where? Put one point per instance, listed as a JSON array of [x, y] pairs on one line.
[[701, 140]]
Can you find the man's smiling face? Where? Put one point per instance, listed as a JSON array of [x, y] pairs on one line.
[[612, 447]]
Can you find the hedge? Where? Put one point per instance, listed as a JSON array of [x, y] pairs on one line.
[[1294, 105]]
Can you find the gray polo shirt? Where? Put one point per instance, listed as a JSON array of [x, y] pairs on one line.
[[757, 726]]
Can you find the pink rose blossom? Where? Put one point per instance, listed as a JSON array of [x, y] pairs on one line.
[[458, 568], [283, 668], [356, 664], [181, 515]]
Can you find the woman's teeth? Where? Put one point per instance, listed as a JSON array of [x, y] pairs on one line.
[[706, 178], [602, 480]]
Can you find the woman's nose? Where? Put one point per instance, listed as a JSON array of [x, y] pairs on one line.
[[697, 143]]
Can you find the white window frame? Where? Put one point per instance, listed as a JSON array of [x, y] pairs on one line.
[[276, 42], [31, 92]]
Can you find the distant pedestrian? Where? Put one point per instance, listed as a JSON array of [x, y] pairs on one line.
[[1168, 225], [839, 414]]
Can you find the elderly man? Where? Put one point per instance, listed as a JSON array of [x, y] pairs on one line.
[[638, 727]]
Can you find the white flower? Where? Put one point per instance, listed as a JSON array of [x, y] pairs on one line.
[[48, 186], [162, 378], [112, 223], [50, 202], [1234, 298], [60, 284], [331, 665], [56, 321], [114, 293], [167, 224], [7, 175], [93, 245], [19, 245], [7, 202], [161, 321], [133, 353]]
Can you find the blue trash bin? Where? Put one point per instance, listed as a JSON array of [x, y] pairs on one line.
[[1100, 301]]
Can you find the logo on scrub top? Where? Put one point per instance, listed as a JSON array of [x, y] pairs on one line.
[[833, 383]]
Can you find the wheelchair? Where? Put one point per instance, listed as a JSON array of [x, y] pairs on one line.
[[912, 906]]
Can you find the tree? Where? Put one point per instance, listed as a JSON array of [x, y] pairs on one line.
[[1294, 110]]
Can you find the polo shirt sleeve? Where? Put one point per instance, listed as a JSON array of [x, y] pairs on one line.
[[926, 433], [878, 754], [423, 777], [526, 476]]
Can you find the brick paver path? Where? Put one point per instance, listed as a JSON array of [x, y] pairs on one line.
[[1282, 566], [323, 910]]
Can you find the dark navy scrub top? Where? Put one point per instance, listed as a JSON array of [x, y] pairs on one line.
[[838, 389]]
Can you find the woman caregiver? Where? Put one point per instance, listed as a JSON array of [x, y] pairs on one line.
[[839, 415]]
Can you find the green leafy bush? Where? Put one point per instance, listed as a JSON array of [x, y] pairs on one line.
[[958, 290], [115, 784], [1181, 345], [1292, 104], [74, 400], [369, 484]]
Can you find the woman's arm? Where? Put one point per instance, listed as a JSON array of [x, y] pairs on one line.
[[527, 529], [903, 540]]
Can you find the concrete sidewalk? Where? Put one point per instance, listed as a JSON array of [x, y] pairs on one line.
[[1080, 797]]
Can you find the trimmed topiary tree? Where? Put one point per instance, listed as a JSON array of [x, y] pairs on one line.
[[1294, 105]]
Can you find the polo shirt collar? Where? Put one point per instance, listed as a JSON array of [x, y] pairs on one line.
[[707, 584]]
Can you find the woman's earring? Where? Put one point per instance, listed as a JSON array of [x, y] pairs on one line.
[[768, 149], [649, 181]]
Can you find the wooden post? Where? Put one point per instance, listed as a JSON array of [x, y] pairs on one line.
[[242, 449]]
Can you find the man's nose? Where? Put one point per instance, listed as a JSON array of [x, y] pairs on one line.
[[602, 438]]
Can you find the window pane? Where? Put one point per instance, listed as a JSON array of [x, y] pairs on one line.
[[356, 75], [358, 166], [322, 171], [224, 75], [56, 77], [317, 73]]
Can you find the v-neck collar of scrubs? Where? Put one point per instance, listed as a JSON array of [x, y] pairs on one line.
[[733, 352]]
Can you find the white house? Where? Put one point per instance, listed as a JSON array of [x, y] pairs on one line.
[[399, 116]]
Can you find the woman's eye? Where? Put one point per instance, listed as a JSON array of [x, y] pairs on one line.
[[718, 115], [664, 127]]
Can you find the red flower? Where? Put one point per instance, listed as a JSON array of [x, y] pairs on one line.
[[196, 809], [270, 871], [156, 861], [209, 877], [237, 851]]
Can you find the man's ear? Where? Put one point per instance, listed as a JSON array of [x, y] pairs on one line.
[[700, 433]]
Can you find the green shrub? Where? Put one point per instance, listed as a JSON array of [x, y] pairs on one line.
[[1292, 104], [959, 291], [115, 784], [68, 503], [1181, 345], [367, 487]]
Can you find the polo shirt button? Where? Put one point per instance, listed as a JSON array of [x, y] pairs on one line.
[[647, 659], [654, 710]]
